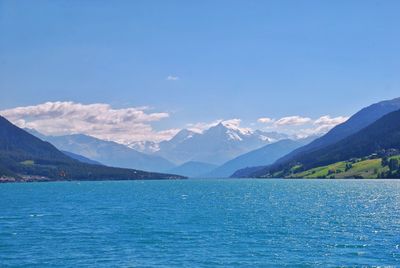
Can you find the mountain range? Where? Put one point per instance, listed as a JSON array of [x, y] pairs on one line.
[[215, 145], [371, 130], [107, 152], [24, 157], [226, 150], [187, 152]]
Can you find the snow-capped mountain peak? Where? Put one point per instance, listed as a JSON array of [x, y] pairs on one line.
[[234, 125], [215, 145], [182, 135]]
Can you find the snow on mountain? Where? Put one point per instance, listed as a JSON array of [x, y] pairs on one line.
[[216, 144], [147, 147]]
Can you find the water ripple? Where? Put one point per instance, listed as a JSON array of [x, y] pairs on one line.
[[201, 223]]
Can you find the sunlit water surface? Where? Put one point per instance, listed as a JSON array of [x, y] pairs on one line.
[[201, 223]]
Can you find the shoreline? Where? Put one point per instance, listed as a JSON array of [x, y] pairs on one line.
[[9, 180]]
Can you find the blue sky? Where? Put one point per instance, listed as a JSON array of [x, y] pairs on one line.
[[232, 59]]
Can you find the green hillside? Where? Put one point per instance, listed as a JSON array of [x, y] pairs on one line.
[[325, 149], [367, 168], [381, 137]]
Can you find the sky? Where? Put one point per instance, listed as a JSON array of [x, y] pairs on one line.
[[145, 69]]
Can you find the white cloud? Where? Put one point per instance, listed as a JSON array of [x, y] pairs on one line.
[[265, 120], [301, 126], [326, 123], [100, 120], [322, 125], [292, 121], [172, 78], [327, 120]]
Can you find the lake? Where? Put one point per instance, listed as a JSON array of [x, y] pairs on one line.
[[201, 223]]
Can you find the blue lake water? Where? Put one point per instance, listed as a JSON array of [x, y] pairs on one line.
[[201, 223]]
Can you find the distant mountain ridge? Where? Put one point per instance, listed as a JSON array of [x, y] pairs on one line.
[[259, 157], [107, 152], [215, 145], [25, 157], [81, 158]]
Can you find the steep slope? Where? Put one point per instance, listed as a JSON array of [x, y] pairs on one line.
[[193, 169], [216, 145], [247, 172], [259, 157], [26, 157], [81, 158], [378, 137], [355, 123], [107, 152], [176, 149]]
